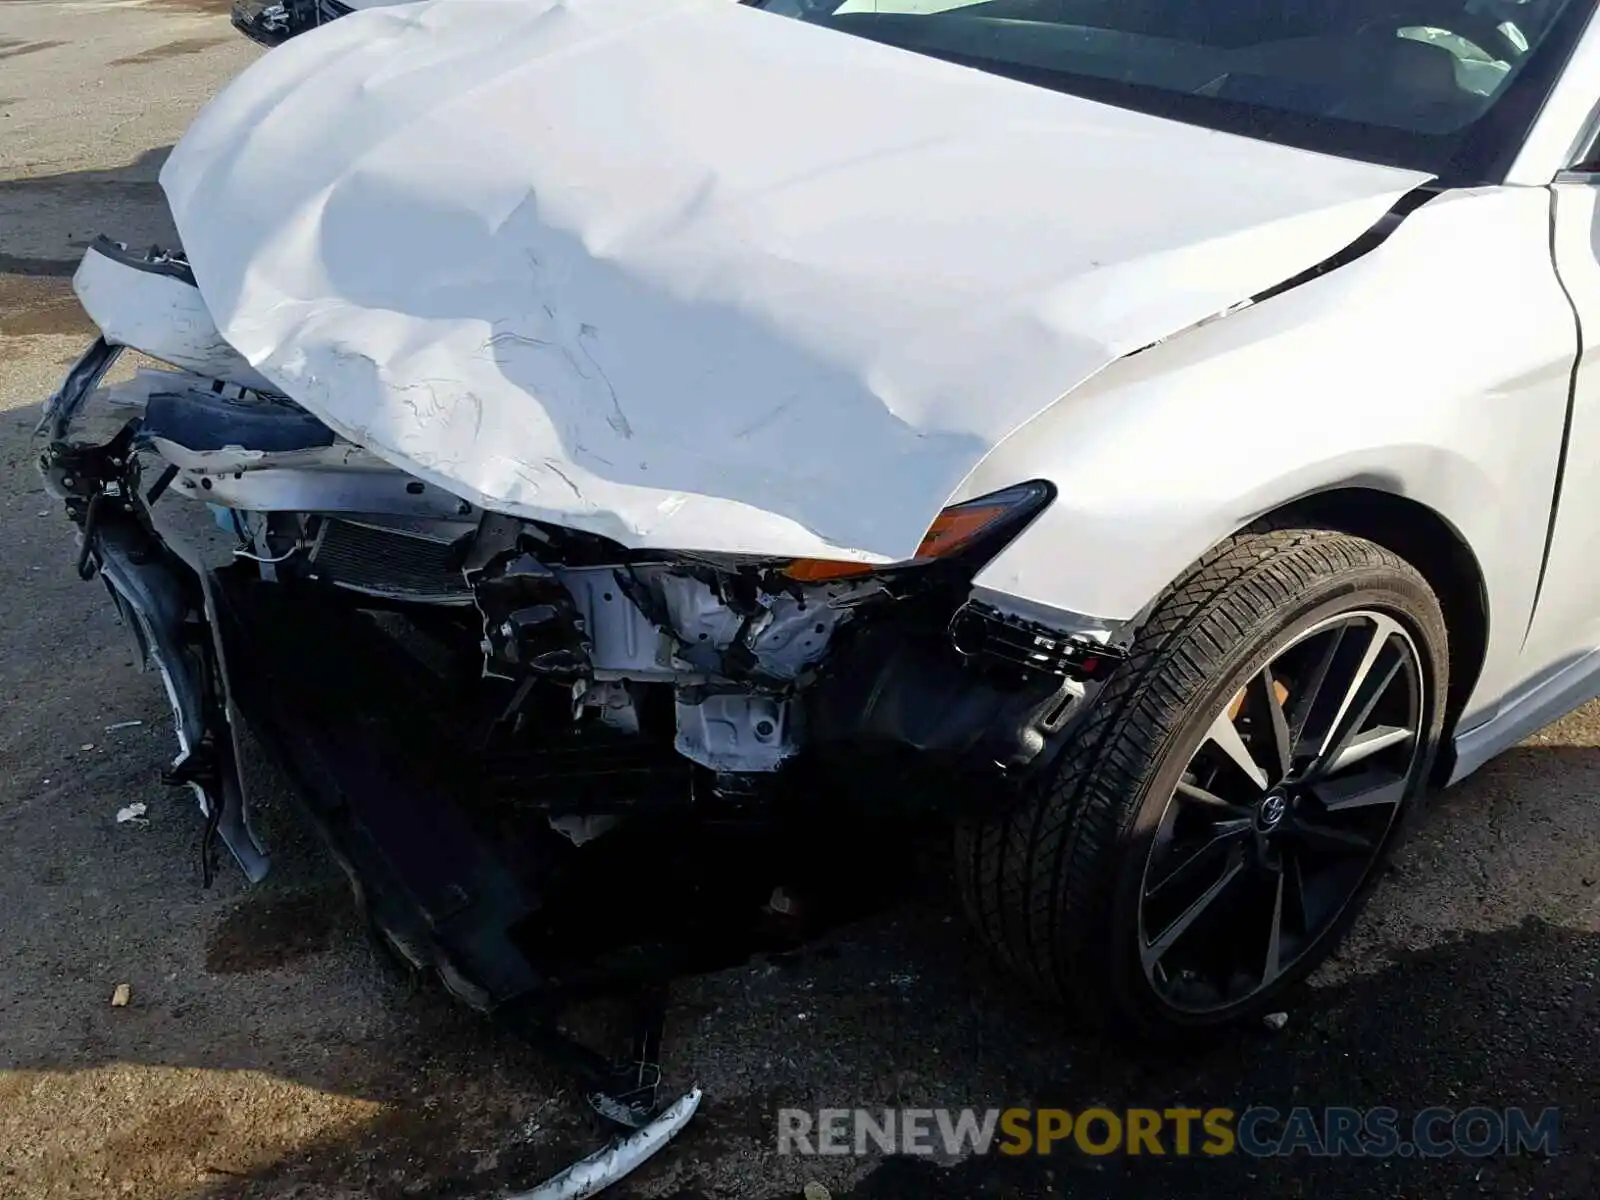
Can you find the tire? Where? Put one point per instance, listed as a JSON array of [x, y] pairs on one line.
[[1062, 884]]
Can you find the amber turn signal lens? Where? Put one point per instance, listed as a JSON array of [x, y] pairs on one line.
[[955, 527], [820, 570], [951, 529]]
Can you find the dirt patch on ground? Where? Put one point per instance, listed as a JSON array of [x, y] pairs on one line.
[[11, 264], [40, 304], [14, 48], [267, 932], [153, 1133], [177, 49]]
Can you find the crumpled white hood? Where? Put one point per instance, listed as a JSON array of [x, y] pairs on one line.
[[691, 275]]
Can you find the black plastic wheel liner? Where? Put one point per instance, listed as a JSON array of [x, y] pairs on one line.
[[374, 745], [367, 737]]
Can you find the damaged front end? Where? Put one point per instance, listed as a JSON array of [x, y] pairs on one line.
[[548, 762]]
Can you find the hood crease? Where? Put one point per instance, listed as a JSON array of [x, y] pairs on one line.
[[695, 276]]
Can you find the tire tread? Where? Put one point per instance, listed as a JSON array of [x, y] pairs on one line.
[[1038, 879]]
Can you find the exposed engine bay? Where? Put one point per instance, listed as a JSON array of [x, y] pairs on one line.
[[500, 721]]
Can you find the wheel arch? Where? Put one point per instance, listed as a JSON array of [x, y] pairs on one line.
[[1435, 547]]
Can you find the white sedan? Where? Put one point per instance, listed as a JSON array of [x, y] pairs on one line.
[[1158, 438]]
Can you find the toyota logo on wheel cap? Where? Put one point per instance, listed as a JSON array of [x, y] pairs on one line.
[[1271, 812]]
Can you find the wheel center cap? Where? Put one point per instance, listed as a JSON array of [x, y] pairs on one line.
[[1270, 812]]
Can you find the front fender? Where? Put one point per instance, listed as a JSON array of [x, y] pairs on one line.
[[1435, 367]]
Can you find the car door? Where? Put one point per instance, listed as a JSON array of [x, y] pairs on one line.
[[1565, 625]]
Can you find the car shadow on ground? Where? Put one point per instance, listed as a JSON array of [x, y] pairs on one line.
[[904, 1011], [50, 219], [47, 221], [271, 1052], [1499, 1019]]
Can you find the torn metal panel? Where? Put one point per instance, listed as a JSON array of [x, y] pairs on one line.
[[700, 301], [773, 635], [667, 622], [731, 732], [626, 644]]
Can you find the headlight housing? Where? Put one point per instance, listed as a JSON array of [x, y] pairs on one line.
[[974, 530]]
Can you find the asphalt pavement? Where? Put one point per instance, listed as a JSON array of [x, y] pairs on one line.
[[268, 1051]]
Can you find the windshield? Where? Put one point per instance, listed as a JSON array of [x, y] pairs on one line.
[[1445, 86]]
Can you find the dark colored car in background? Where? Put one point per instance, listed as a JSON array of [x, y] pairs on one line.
[[271, 22]]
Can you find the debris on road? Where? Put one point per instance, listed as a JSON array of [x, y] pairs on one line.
[[1275, 1021], [132, 814], [116, 725], [815, 1191], [592, 1175], [87, 746], [532, 1126], [121, 995]]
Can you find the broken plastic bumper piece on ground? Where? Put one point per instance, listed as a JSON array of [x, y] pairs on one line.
[[592, 1175]]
